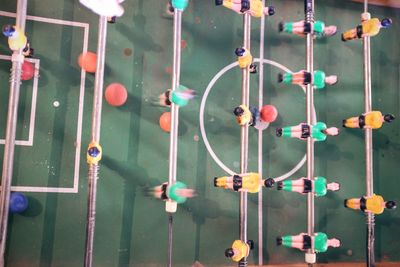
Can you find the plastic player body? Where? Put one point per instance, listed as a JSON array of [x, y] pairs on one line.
[[94, 153], [318, 186], [318, 241], [318, 79], [180, 96], [180, 4], [318, 131], [301, 28], [177, 192], [247, 182], [370, 27], [254, 7], [239, 250], [368, 120], [374, 204]]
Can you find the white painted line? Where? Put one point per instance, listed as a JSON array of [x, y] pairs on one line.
[[28, 142], [78, 144]]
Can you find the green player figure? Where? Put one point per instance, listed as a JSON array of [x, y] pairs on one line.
[[302, 28], [179, 97], [319, 79], [177, 192], [318, 131], [319, 241], [318, 186]]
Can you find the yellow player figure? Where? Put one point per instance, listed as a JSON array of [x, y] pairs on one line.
[[370, 27], [243, 115], [245, 59], [16, 38], [239, 250], [247, 182], [94, 153], [254, 7], [369, 120], [374, 204]]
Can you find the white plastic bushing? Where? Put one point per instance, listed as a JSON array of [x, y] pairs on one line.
[[311, 258], [171, 206], [365, 16]]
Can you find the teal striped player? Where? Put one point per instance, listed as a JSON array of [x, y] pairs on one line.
[[319, 186], [318, 131], [301, 28], [319, 79], [319, 242]]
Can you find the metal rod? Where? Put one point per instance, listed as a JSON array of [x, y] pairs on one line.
[[260, 141], [369, 171], [170, 237], [173, 143], [309, 8], [12, 117], [244, 134], [96, 126]]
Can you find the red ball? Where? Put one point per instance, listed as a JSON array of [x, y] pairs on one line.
[[116, 94], [88, 61], [165, 122], [269, 113], [28, 71]]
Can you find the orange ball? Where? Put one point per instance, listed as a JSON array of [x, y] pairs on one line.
[[88, 61], [116, 94], [28, 71], [165, 122], [269, 113]]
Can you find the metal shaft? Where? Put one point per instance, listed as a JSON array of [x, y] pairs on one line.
[[309, 10], [173, 143], [96, 126], [244, 134], [369, 171], [260, 141], [12, 116]]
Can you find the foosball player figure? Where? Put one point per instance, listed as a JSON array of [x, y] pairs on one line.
[[247, 182], [180, 96], [319, 241], [318, 186], [17, 40], [239, 250], [318, 131], [245, 59], [367, 28], [368, 120], [254, 7], [374, 204], [318, 80], [177, 192], [302, 28]]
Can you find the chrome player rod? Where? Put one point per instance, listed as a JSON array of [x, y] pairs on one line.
[[369, 172], [309, 16], [260, 141], [12, 116], [96, 126], [244, 135], [173, 143]]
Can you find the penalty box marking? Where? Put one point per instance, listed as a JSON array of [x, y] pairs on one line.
[[73, 189], [28, 142]]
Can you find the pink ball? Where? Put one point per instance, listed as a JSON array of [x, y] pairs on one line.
[[269, 113], [116, 94], [28, 71]]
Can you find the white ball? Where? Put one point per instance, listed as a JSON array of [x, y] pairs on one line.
[[56, 104]]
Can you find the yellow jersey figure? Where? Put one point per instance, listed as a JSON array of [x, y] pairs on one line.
[[247, 182], [369, 27], [16, 38], [94, 153], [369, 120], [243, 115], [254, 7], [239, 250], [374, 204]]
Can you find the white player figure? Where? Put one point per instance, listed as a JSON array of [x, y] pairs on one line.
[[107, 8]]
